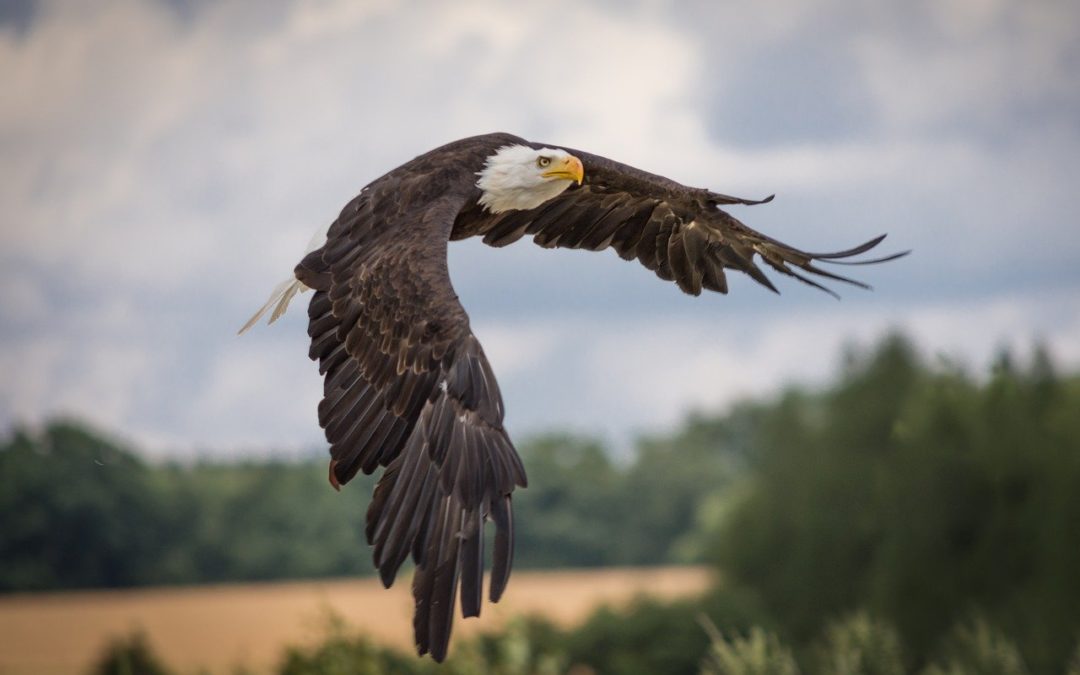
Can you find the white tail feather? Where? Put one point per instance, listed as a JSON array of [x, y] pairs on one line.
[[286, 289], [281, 295]]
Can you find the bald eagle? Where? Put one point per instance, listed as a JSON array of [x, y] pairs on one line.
[[406, 384]]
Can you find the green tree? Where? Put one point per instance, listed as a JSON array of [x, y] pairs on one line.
[[565, 516], [920, 495], [75, 510]]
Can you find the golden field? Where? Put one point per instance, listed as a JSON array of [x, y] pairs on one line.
[[220, 627]]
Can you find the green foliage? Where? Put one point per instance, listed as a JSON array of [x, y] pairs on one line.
[[527, 646], [648, 637], [79, 510], [68, 489], [583, 509], [760, 653], [263, 520], [1073, 668], [129, 655], [344, 654], [920, 495], [860, 645], [564, 517], [653, 636], [75, 510], [979, 649]]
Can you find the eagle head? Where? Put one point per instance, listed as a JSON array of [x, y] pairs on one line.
[[520, 177]]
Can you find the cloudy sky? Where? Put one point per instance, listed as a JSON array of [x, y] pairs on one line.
[[164, 163]]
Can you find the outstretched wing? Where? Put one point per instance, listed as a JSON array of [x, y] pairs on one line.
[[407, 386], [678, 232]]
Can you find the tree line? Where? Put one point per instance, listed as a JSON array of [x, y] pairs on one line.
[[79, 510]]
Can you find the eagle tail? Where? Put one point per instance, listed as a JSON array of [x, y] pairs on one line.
[[281, 296]]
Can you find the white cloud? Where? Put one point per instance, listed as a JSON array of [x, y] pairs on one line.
[[100, 381], [162, 174], [981, 61], [256, 393], [518, 349], [616, 377]]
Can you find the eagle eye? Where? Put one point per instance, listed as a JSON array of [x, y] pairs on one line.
[[543, 161]]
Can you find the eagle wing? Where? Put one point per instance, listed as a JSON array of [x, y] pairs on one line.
[[678, 232], [407, 386]]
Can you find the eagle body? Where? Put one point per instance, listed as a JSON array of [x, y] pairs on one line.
[[406, 384]]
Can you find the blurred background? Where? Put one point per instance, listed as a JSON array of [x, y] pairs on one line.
[[886, 477]]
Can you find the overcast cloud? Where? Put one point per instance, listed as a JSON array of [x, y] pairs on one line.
[[164, 163]]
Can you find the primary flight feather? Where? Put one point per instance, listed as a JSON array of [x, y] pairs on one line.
[[406, 383]]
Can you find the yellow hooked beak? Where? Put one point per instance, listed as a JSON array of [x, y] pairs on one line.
[[567, 169]]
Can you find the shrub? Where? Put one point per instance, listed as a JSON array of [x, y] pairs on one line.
[[978, 648], [760, 653], [345, 653], [130, 655], [526, 646], [860, 645]]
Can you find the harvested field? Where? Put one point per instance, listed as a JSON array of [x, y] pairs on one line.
[[221, 627]]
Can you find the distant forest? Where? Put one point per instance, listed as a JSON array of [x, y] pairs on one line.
[[919, 493]]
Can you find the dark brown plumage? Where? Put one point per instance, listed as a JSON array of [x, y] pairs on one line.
[[407, 385]]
